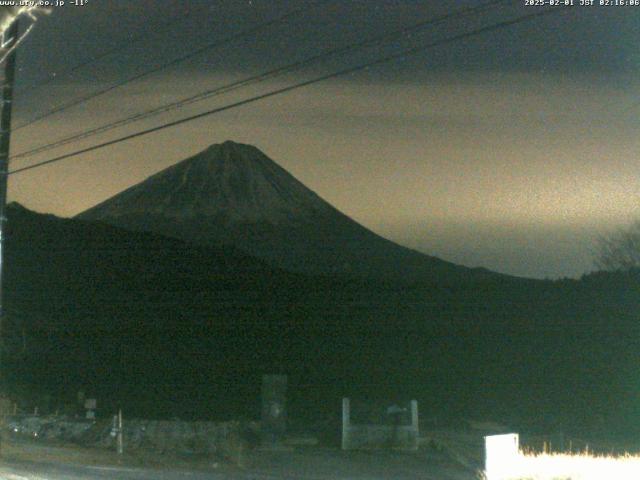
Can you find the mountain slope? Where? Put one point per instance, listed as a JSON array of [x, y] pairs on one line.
[[234, 194], [168, 328]]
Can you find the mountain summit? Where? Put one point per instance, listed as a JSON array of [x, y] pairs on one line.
[[234, 194], [232, 182]]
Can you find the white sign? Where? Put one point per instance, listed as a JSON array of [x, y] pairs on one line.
[[501, 455]]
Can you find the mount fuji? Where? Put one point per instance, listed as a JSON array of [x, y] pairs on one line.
[[233, 194]]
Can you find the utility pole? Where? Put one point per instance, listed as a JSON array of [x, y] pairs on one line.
[[8, 44]]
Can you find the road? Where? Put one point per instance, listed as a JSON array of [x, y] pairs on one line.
[[27, 470], [50, 471], [23, 459]]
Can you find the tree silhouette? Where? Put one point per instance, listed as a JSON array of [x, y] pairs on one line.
[[620, 250]]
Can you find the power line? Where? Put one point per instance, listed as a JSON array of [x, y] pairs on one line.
[[292, 67], [175, 20], [166, 65], [346, 71]]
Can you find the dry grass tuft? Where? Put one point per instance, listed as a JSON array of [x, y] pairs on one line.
[[566, 466]]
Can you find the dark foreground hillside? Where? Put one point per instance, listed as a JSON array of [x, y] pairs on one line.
[[167, 329]]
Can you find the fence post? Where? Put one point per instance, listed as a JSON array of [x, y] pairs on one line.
[[120, 434], [415, 426], [346, 423]]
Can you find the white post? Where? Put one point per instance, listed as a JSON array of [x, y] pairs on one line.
[[415, 426], [346, 421], [120, 434], [414, 415], [501, 456]]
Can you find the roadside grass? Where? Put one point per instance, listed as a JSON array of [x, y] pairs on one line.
[[567, 466]]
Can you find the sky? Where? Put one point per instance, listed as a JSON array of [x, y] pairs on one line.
[[514, 149]]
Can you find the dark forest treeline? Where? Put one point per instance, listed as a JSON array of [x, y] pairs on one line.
[[170, 329]]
